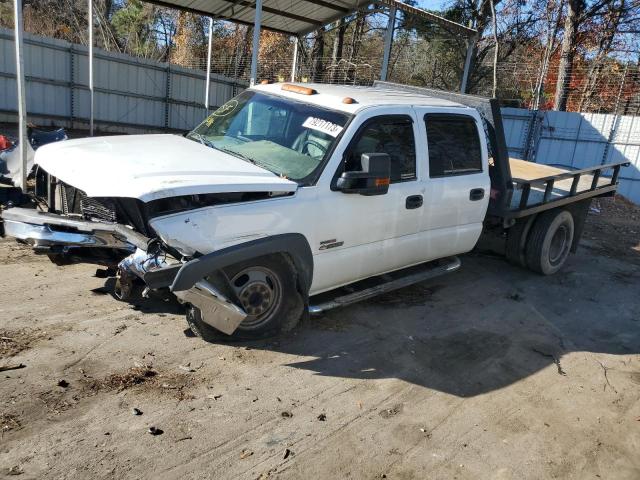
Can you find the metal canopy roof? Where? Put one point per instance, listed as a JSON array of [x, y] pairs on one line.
[[297, 17]]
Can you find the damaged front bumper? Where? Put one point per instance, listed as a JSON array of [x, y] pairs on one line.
[[53, 233]]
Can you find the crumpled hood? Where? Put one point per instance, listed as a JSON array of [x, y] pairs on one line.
[[149, 167]]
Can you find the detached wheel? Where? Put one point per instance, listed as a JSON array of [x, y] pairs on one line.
[[550, 241], [266, 289]]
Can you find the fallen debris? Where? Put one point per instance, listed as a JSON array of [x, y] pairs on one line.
[[15, 470], [14, 366], [13, 342], [122, 381], [155, 431], [556, 360], [63, 383], [516, 297], [390, 412], [119, 329], [9, 422], [322, 417], [287, 453], [136, 411]]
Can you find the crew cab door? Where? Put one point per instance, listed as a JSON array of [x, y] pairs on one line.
[[357, 235], [456, 179]]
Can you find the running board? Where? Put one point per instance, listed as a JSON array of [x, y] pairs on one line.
[[392, 281]]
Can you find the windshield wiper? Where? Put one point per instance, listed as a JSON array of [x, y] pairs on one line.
[[237, 154], [248, 159], [201, 138]]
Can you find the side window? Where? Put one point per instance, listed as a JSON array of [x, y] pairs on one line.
[[454, 145], [389, 134]]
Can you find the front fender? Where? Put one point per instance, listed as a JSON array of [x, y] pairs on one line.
[[293, 244]]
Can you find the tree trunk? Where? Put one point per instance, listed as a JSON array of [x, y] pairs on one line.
[[546, 58], [565, 69], [481, 14], [495, 50], [338, 44], [317, 54], [242, 54]]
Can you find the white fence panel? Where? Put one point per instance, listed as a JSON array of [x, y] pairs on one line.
[[130, 93], [577, 140]]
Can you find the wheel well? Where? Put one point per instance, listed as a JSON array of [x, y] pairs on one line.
[[293, 245]]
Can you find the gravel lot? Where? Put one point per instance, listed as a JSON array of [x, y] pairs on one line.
[[492, 372]]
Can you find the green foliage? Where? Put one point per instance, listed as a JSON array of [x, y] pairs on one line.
[[133, 23]]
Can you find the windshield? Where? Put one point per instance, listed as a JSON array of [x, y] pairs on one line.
[[288, 138]]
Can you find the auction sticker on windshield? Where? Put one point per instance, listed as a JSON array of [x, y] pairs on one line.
[[323, 126]]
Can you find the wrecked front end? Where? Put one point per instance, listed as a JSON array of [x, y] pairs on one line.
[[70, 227]]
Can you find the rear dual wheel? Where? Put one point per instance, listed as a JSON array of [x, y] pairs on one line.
[[549, 241]]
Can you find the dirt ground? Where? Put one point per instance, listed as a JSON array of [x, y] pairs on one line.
[[492, 372]]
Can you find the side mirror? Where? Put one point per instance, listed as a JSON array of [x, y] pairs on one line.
[[373, 179]]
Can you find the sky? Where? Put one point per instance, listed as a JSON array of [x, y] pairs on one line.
[[431, 4]]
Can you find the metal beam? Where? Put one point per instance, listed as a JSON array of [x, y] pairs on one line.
[[388, 41], [438, 20], [90, 26], [256, 43], [332, 6], [22, 105], [448, 25], [294, 63], [208, 76], [275, 11], [214, 15]]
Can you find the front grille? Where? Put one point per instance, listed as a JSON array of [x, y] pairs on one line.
[[104, 210], [75, 201]]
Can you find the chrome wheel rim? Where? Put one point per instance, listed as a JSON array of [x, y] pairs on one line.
[[259, 292]]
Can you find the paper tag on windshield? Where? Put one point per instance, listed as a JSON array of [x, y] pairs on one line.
[[323, 126]]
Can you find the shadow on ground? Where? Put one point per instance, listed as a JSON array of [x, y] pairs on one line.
[[478, 330]]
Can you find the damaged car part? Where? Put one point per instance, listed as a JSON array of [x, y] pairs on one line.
[[42, 229], [213, 307]]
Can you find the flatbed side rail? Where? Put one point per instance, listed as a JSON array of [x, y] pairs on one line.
[[574, 194]]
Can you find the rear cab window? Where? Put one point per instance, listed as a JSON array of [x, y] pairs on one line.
[[454, 145]]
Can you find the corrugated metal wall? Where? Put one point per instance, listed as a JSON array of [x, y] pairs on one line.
[[577, 140], [130, 93]]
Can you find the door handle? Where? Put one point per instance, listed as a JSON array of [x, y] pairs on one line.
[[414, 201], [476, 194]]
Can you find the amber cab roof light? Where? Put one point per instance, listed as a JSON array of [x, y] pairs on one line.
[[287, 87]]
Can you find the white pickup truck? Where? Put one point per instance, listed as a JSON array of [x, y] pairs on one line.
[[296, 198]]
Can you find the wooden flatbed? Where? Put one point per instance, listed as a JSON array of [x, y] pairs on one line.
[[537, 176]]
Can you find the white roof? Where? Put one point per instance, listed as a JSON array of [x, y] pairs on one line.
[[331, 96]]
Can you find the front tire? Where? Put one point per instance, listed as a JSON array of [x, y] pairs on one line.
[[550, 241], [266, 289]]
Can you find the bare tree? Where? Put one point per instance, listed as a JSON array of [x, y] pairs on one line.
[[317, 55], [338, 45], [495, 48]]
